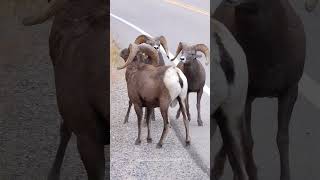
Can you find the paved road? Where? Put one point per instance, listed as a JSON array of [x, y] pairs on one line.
[[177, 24], [29, 117], [305, 124]]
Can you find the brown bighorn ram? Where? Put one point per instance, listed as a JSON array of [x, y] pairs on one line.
[[79, 53], [272, 36], [310, 5], [154, 42], [194, 71], [154, 86]]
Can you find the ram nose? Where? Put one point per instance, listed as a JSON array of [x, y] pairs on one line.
[[156, 47], [182, 58]]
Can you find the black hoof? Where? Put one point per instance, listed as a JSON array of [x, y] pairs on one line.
[[138, 142], [159, 145], [149, 140], [187, 143], [200, 123]]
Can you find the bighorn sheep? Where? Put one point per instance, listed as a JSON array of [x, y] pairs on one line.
[[228, 86], [194, 71], [154, 42], [310, 5], [81, 78], [154, 86], [275, 60]]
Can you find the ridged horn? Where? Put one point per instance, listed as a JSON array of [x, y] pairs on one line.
[[150, 52], [204, 49], [164, 44], [50, 10], [310, 5], [180, 47], [141, 39], [145, 48], [133, 48]]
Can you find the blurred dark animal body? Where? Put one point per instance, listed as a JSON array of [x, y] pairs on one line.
[[272, 36], [79, 52]]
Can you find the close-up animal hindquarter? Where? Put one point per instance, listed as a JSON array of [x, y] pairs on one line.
[[229, 82], [81, 78], [275, 51]]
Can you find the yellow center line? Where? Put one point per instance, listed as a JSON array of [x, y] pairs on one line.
[[187, 6]]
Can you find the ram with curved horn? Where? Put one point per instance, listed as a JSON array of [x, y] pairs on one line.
[[194, 71], [154, 86], [310, 5], [155, 42], [141, 57], [81, 78]]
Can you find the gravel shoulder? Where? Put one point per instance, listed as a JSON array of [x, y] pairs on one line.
[[129, 161]]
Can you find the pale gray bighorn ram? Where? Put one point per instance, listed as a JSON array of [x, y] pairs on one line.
[[228, 91], [154, 86], [310, 5], [154, 42], [79, 52], [194, 71], [273, 38]]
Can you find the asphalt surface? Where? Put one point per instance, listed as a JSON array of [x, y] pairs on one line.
[[304, 127], [29, 118], [176, 24]]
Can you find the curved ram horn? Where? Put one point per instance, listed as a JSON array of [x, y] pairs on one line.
[[164, 44], [310, 5], [180, 47], [141, 39], [133, 48], [204, 49], [151, 52], [50, 10]]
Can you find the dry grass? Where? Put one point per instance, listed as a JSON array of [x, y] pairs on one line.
[[114, 53], [115, 60]]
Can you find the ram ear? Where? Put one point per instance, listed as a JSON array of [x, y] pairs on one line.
[[124, 53]]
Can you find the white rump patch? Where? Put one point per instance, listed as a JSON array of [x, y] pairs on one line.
[[171, 81]]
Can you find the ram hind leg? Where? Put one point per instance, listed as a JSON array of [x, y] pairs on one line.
[[164, 106], [148, 115], [139, 112], [127, 114], [186, 122], [65, 135], [92, 156], [199, 95]]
